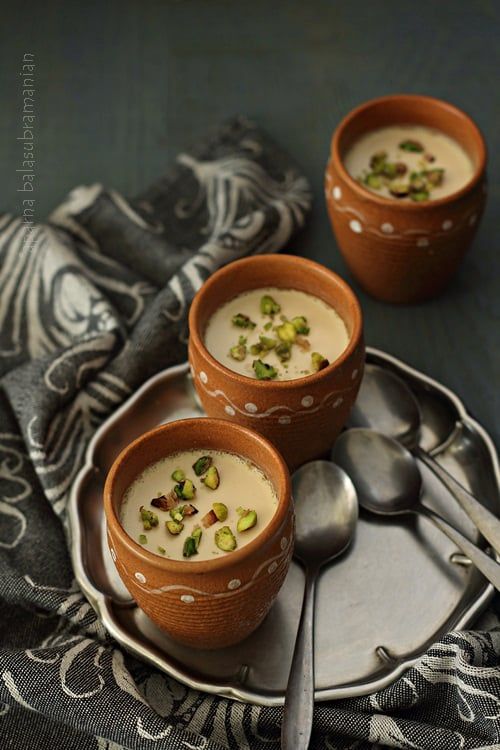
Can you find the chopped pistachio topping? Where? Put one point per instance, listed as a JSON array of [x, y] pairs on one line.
[[201, 465], [178, 475], [300, 325], [238, 352], [209, 519], [411, 145], [161, 550], [434, 176], [264, 371], [419, 195], [318, 361], [212, 479], [220, 511], [143, 539], [284, 351], [246, 521], [191, 543], [373, 181], [269, 306], [242, 321], [286, 331], [174, 527], [176, 514], [165, 502], [225, 539], [377, 161], [185, 490], [267, 343], [268, 326], [399, 190], [148, 518]]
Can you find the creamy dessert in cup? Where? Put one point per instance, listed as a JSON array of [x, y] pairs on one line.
[[409, 162], [207, 583], [198, 505], [276, 344], [405, 188]]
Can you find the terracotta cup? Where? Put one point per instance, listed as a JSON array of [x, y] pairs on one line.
[[301, 417], [398, 250], [214, 603]]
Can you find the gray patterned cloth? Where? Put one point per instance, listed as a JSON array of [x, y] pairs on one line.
[[92, 303]]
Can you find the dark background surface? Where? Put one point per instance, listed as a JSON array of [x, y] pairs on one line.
[[122, 87]]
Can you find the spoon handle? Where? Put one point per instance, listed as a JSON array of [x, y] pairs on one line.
[[299, 699], [485, 521], [483, 562]]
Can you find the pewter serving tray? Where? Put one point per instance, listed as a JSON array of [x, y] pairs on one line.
[[399, 587]]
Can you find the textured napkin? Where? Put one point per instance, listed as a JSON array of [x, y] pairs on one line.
[[92, 303]]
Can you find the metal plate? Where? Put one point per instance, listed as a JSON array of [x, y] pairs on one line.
[[398, 588]]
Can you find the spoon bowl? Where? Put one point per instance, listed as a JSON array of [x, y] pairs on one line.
[[326, 511], [386, 403], [388, 482]]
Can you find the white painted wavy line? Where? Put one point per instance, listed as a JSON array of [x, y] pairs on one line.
[[272, 409], [349, 210]]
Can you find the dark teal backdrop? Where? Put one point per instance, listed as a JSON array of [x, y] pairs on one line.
[[121, 87]]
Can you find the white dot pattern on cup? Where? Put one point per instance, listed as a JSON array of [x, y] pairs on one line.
[[337, 193], [283, 543], [272, 567], [284, 420], [387, 228], [354, 374], [235, 583], [472, 220], [422, 242], [447, 224], [307, 401], [337, 402], [251, 408], [140, 577], [229, 410], [355, 225], [113, 554], [187, 598], [203, 377]]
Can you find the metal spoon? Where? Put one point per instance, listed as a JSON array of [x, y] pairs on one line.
[[386, 404], [388, 482], [326, 513]]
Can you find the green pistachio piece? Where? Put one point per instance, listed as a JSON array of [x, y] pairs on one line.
[[143, 539], [174, 527], [178, 475], [263, 371], [300, 325], [201, 465], [220, 511], [318, 361], [225, 539], [419, 196], [148, 518], [399, 189], [192, 543], [246, 521], [412, 146], [373, 181], [268, 305], [242, 321], [401, 168], [267, 343], [256, 349], [287, 332], [185, 490], [161, 550], [212, 479], [417, 182], [177, 514], [390, 170], [284, 351], [435, 176], [377, 161], [238, 352], [268, 326]]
